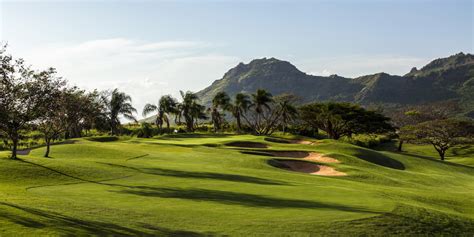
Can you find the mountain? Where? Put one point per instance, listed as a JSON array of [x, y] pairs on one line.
[[441, 79]]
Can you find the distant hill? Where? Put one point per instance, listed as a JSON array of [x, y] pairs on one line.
[[441, 79]]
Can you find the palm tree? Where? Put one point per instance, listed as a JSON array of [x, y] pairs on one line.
[[190, 109], [288, 113], [118, 103], [169, 106], [149, 108], [221, 100], [166, 106], [260, 100], [240, 106]]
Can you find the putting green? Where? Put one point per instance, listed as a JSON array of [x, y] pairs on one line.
[[195, 185]]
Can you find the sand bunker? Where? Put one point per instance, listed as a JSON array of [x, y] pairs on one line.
[[303, 142], [247, 144], [306, 167], [311, 156]]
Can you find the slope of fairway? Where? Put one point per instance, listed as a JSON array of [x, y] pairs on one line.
[[195, 185]]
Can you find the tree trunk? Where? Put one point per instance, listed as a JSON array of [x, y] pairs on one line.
[[168, 126], [441, 151], [400, 144], [441, 154], [15, 147], [238, 124], [48, 145]]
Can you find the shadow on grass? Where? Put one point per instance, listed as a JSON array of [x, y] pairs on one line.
[[103, 139], [201, 175], [446, 162], [210, 175], [378, 158], [67, 225], [191, 135], [247, 144], [462, 150], [235, 198]]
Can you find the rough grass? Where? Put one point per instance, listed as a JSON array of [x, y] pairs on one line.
[[195, 185]]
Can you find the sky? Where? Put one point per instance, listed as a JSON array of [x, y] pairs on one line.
[[152, 48]]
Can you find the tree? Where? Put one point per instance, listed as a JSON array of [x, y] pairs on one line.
[[84, 111], [288, 111], [265, 114], [21, 96], [442, 134], [412, 115], [52, 118], [190, 109], [240, 106], [220, 101], [118, 103], [166, 106], [343, 119]]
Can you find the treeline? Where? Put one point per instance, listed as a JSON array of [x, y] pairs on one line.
[[42, 102]]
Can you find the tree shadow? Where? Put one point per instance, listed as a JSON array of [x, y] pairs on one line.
[[234, 198], [67, 225]]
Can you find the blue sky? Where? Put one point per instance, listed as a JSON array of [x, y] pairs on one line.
[[149, 48]]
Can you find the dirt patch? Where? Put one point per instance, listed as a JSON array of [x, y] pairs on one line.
[[247, 144], [311, 156], [306, 167]]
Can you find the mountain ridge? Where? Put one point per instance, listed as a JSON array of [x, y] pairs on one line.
[[441, 79]]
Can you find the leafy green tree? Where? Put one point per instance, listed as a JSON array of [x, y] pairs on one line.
[[84, 111], [240, 106], [442, 134], [412, 115], [118, 104], [220, 103], [21, 97], [343, 119], [52, 118]]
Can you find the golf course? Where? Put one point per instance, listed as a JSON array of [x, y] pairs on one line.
[[239, 185]]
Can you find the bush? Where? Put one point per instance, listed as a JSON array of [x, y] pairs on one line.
[[367, 140]]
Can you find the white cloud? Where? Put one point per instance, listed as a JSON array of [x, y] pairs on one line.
[[358, 65], [145, 70], [324, 72]]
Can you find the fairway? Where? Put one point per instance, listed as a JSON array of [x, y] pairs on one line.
[[195, 185]]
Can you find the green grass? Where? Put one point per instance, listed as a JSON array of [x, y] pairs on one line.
[[194, 185]]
